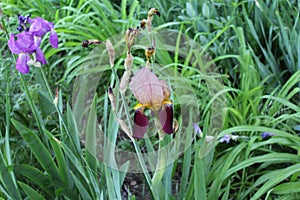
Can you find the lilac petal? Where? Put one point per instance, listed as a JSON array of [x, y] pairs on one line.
[[53, 39], [12, 45], [37, 41], [21, 63], [226, 138], [197, 129], [165, 117], [140, 123], [40, 56], [39, 27], [146, 87], [25, 42]]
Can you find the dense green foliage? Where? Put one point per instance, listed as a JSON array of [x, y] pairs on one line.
[[255, 46]]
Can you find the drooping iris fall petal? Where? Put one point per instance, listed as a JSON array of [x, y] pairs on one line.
[[21, 63], [165, 117], [40, 57], [53, 39], [140, 123]]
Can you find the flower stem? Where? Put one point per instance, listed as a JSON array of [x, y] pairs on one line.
[[58, 110]]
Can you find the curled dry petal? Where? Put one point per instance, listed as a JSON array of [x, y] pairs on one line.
[[124, 127], [111, 52], [112, 98], [146, 87]]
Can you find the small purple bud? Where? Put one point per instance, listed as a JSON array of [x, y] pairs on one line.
[[197, 129], [226, 138], [266, 135]]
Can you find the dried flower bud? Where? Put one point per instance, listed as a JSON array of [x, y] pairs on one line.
[[143, 23], [124, 81], [112, 98], [128, 62], [111, 52], [175, 126], [149, 52], [130, 36], [87, 43], [153, 11]]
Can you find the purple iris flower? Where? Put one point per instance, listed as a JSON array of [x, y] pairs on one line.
[[24, 46], [28, 42]]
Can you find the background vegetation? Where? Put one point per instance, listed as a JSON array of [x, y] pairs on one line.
[[255, 46]]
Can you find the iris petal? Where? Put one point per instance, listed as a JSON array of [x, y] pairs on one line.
[[40, 56], [140, 123], [12, 44], [53, 39], [21, 63], [165, 117], [146, 87]]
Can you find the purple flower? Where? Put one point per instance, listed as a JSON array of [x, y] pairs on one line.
[[23, 22], [24, 45], [28, 42], [226, 138], [265, 135], [197, 129], [39, 27]]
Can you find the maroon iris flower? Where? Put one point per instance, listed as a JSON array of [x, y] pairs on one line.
[[153, 94], [28, 42]]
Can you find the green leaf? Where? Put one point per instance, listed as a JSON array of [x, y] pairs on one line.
[[91, 137], [40, 152], [7, 180], [83, 192], [287, 188], [205, 10], [60, 158], [274, 178], [36, 177], [32, 194]]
